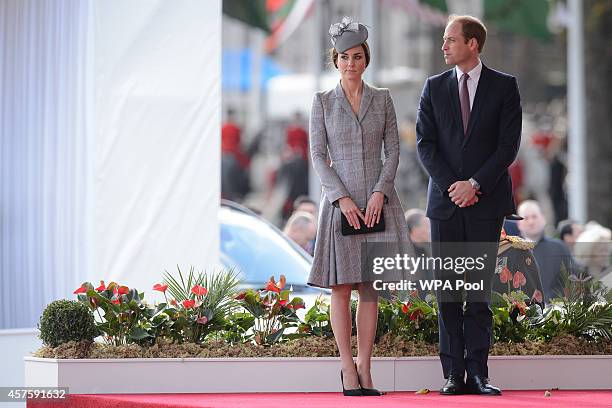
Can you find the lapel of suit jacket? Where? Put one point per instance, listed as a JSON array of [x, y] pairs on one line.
[[344, 101], [453, 94], [366, 99], [479, 98]]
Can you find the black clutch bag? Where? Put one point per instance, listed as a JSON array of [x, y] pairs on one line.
[[348, 230]]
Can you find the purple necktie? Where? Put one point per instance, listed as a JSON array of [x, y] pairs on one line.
[[464, 97]]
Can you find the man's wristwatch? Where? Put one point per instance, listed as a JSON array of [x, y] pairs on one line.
[[474, 184]]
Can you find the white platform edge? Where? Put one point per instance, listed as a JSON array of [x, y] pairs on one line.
[[302, 374]]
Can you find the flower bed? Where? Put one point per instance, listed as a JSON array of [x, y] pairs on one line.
[[206, 329], [387, 346], [209, 317]]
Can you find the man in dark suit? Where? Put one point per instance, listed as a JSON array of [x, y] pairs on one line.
[[468, 134]]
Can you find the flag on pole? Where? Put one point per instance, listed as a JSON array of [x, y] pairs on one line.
[[278, 18], [251, 12], [286, 15], [524, 17], [435, 15]]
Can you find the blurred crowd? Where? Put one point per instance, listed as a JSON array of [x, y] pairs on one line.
[[539, 184]]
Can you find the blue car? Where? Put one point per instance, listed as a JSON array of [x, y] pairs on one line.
[[258, 250]]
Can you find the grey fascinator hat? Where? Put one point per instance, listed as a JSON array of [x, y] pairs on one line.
[[347, 34]]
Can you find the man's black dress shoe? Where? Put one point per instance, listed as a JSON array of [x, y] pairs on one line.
[[480, 386], [454, 385]]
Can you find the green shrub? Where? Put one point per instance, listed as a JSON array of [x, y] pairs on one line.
[[66, 320]]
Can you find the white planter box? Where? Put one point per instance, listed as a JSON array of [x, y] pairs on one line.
[[234, 375]]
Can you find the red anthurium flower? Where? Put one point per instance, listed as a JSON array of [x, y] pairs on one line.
[[276, 287], [115, 301], [505, 276], [202, 320], [188, 303], [537, 296], [519, 280], [123, 290], [271, 286], [282, 282], [199, 290], [282, 302], [416, 314], [406, 307], [81, 289], [520, 306], [160, 287], [173, 302], [102, 287]]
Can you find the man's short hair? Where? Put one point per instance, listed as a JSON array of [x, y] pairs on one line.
[[472, 28], [529, 203]]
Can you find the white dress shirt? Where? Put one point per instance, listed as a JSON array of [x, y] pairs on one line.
[[472, 81]]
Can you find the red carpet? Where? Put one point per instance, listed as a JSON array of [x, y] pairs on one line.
[[510, 399]]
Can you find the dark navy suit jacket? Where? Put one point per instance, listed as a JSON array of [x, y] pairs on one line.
[[490, 146]]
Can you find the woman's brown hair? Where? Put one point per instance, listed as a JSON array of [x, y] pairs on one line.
[[333, 55]]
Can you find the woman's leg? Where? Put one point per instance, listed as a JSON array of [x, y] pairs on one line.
[[341, 324], [367, 317]]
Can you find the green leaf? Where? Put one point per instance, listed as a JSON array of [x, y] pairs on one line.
[[138, 334], [274, 337]]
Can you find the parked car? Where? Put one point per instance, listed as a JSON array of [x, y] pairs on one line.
[[258, 250]]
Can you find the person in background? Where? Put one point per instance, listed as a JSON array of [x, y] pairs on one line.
[[305, 203], [301, 228], [291, 180], [234, 161], [550, 253], [593, 249], [418, 229], [568, 233], [420, 235]]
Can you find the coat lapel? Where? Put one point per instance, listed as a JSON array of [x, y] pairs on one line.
[[366, 99], [344, 101], [479, 98], [453, 94]]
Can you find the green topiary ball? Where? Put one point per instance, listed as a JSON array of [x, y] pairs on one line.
[[66, 320]]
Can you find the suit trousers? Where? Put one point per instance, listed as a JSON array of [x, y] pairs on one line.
[[466, 332]]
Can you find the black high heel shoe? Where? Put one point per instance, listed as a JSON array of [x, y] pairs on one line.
[[350, 393], [368, 392]]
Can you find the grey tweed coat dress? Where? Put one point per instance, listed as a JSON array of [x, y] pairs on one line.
[[356, 169]]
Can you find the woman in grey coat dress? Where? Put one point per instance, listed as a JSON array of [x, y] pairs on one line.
[[352, 122]]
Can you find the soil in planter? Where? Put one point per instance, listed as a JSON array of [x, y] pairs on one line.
[[388, 346], [560, 345]]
